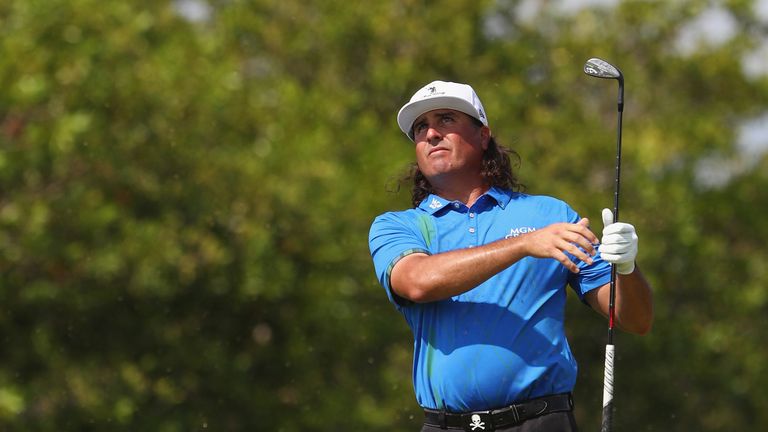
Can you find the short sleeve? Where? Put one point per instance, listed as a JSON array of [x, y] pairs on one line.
[[590, 276], [391, 238]]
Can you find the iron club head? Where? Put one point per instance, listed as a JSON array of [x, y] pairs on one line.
[[602, 69]]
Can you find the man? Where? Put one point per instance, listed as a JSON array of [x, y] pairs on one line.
[[479, 271]]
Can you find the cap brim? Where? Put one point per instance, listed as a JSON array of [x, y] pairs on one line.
[[412, 110]]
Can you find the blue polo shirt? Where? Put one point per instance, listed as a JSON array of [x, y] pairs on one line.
[[503, 341]]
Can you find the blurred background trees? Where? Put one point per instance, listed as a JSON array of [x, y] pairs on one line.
[[186, 189]]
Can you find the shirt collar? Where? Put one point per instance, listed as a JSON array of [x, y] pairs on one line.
[[433, 203], [502, 196]]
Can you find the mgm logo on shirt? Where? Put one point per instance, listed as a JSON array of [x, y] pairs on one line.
[[514, 232]]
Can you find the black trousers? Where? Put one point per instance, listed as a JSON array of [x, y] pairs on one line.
[[554, 422]]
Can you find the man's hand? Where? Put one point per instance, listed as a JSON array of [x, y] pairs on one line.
[[555, 240], [619, 244]]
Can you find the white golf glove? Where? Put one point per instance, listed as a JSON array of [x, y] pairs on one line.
[[619, 244]]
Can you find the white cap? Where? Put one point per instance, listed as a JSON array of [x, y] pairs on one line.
[[440, 94]]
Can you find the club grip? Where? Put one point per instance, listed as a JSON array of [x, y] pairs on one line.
[[608, 390]]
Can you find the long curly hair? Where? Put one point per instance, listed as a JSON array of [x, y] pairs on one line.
[[497, 170]]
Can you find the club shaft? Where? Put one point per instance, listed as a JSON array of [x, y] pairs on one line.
[[607, 420], [617, 185], [616, 192]]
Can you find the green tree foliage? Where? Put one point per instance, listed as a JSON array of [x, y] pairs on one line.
[[185, 201]]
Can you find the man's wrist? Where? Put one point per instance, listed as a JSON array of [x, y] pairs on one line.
[[625, 268]]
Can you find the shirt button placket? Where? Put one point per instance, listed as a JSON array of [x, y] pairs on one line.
[[473, 227]]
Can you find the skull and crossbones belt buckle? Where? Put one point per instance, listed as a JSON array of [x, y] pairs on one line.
[[481, 421]]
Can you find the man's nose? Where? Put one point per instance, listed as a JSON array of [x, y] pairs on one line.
[[433, 134]]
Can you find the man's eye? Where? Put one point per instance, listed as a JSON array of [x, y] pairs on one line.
[[420, 127]]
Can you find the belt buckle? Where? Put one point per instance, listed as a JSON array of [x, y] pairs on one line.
[[479, 421]]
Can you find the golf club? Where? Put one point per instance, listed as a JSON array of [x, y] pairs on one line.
[[602, 69]]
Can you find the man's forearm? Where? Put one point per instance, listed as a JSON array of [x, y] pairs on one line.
[[425, 278], [634, 302]]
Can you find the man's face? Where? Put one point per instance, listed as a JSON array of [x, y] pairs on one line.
[[449, 142]]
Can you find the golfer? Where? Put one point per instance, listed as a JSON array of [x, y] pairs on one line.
[[479, 271]]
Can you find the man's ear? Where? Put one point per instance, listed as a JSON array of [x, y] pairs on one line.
[[485, 135]]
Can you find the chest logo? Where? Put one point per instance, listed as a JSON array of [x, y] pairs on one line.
[[514, 232]]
